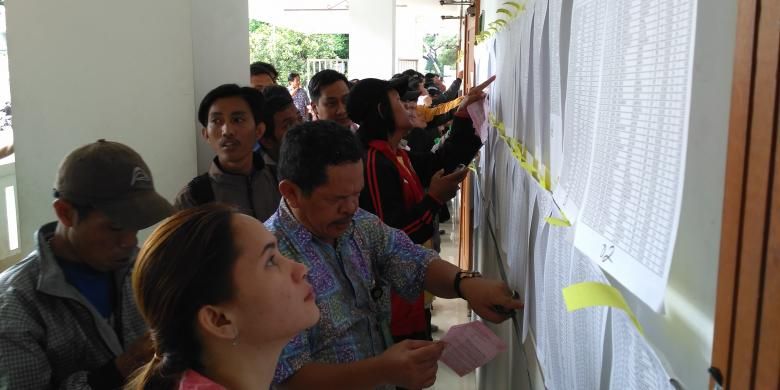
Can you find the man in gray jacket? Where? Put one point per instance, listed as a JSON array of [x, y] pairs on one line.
[[232, 119], [68, 319]]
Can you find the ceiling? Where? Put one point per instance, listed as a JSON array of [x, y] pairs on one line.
[[332, 16]]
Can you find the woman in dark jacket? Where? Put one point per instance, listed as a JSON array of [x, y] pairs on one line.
[[395, 180]]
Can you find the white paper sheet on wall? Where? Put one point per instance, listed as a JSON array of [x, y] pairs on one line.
[[631, 210], [505, 74], [574, 341], [587, 30], [517, 253], [505, 224], [481, 60], [589, 327], [525, 27], [536, 314], [635, 365], [492, 70], [555, 30], [540, 208], [490, 168], [541, 85], [558, 339], [503, 183]]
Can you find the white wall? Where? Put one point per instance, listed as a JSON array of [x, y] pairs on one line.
[[408, 38], [220, 50], [117, 70], [372, 39]]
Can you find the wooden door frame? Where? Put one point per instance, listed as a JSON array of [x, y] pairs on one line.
[[746, 345], [466, 245]]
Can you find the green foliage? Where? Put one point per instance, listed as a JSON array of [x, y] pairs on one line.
[[288, 50], [439, 51]]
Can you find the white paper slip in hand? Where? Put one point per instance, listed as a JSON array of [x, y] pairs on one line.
[[470, 346]]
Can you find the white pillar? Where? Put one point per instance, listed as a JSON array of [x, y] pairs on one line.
[[372, 39], [129, 71], [220, 52]]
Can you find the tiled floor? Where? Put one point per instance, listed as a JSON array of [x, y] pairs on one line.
[[449, 312]]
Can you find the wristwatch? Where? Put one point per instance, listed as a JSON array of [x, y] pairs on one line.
[[463, 275]]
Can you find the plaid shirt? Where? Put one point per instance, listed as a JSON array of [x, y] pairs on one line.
[[368, 256], [300, 100], [50, 335]]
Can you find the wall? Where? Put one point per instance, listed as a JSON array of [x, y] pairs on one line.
[[683, 334], [220, 52], [408, 36], [117, 70], [372, 39]]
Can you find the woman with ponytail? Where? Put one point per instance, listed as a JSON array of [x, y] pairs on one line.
[[220, 301], [407, 189]]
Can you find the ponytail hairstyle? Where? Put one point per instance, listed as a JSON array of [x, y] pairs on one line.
[[369, 106], [185, 264]]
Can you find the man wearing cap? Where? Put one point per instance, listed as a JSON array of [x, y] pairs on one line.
[[69, 320]]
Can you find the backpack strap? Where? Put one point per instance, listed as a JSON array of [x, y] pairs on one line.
[[200, 189]]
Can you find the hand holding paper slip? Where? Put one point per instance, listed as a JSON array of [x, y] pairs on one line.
[[470, 346], [478, 114]]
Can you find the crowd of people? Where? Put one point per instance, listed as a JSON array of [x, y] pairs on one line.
[[303, 258]]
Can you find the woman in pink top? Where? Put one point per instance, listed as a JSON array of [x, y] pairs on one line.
[[220, 301]]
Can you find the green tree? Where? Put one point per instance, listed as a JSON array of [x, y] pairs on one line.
[[288, 50], [439, 51]]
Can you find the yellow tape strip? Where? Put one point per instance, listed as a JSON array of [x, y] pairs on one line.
[[589, 294], [557, 222], [546, 179]]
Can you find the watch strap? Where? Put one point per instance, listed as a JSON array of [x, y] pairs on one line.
[[459, 277]]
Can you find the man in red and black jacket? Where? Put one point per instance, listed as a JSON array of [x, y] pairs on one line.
[[395, 180]]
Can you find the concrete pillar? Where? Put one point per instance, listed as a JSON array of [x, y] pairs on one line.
[[220, 52], [129, 71], [372, 39]]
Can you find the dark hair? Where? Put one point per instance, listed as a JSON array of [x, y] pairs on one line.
[[277, 98], [430, 76], [292, 76], [414, 83], [259, 67], [362, 109], [82, 210], [412, 73], [185, 264], [309, 148], [322, 79], [251, 96]]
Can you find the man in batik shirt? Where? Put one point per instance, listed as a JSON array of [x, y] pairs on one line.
[[354, 259]]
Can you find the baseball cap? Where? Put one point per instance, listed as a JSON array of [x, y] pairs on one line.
[[112, 178]]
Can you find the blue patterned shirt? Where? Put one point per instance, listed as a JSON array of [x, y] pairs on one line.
[[300, 100], [352, 324]]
